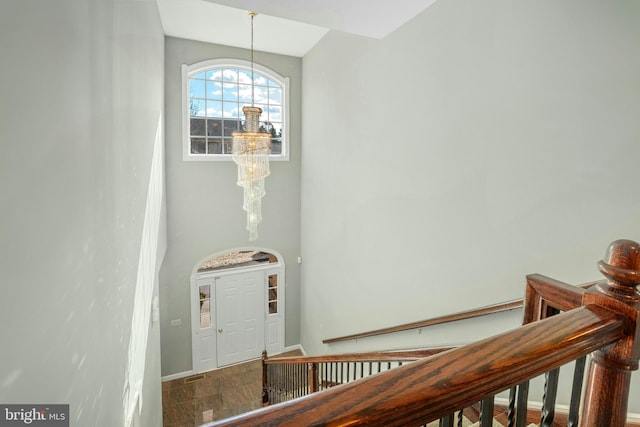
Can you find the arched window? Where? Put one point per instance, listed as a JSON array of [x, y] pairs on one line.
[[214, 93]]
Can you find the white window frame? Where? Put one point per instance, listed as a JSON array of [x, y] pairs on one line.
[[199, 67]]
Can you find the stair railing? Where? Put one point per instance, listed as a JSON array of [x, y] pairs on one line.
[[286, 378], [604, 323]]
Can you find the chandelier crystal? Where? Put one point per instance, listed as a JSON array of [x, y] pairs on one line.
[[250, 151]]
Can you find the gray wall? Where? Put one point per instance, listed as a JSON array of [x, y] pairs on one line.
[[82, 93], [479, 142], [204, 204]]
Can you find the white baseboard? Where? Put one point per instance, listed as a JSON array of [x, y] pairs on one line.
[[177, 376]]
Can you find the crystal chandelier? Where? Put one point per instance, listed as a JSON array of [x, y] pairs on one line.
[[250, 151]]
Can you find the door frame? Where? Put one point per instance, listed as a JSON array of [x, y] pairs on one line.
[[194, 297]]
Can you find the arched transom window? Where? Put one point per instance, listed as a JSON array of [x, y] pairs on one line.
[[214, 93]]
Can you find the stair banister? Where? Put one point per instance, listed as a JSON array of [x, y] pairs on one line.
[[434, 387]]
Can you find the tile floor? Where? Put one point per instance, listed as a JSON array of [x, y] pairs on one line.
[[214, 395]]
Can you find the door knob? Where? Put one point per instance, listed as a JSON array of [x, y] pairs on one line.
[[220, 330]]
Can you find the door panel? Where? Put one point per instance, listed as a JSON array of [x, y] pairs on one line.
[[240, 317]]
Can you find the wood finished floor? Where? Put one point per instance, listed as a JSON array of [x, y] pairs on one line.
[[214, 395]]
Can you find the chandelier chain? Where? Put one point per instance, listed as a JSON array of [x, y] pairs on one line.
[[250, 151], [252, 14]]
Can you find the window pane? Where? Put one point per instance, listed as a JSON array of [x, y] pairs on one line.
[[244, 76], [214, 127], [275, 95], [230, 126], [196, 88], [273, 308], [230, 92], [277, 127], [214, 108], [228, 146], [261, 94], [274, 84], [214, 146], [196, 107], [200, 76], [244, 92], [259, 79], [197, 127], [205, 292], [215, 74], [274, 113], [230, 110], [214, 90], [230, 75], [276, 146], [205, 306], [268, 127], [198, 146]]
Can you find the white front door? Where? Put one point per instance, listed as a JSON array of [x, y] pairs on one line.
[[240, 317]]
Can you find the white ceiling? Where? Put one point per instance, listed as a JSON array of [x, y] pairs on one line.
[[289, 27]]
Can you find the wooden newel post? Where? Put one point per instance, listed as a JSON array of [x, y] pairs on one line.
[[607, 391]]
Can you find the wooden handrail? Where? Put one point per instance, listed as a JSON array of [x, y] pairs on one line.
[[463, 315], [490, 309], [433, 387], [543, 292], [375, 356]]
